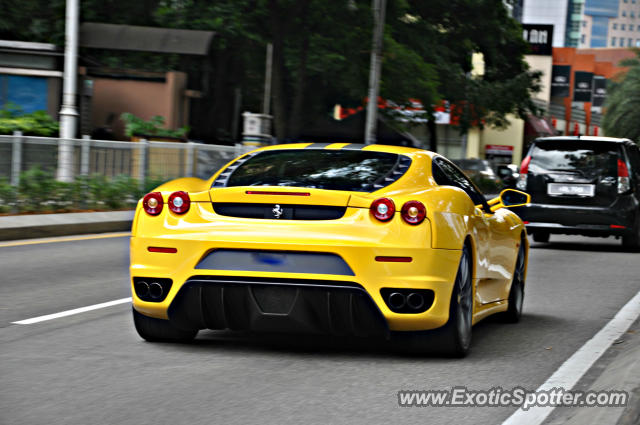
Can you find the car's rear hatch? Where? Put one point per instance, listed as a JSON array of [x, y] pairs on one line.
[[279, 203], [573, 172]]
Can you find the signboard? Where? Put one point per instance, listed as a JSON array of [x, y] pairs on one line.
[[560, 80], [499, 149], [599, 90], [582, 86], [502, 154], [539, 37]]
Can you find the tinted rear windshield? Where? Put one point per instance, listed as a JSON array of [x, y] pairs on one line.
[[323, 169], [588, 157]]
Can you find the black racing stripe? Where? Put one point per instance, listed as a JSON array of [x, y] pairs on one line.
[[354, 146], [318, 145]]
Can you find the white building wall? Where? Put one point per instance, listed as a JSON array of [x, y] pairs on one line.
[[552, 12]]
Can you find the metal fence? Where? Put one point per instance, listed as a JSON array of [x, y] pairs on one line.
[[141, 160]]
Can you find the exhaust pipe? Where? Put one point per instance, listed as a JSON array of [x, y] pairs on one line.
[[155, 290], [396, 300], [142, 289], [415, 301]]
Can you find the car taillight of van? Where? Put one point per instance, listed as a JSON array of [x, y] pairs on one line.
[[624, 184], [524, 169]]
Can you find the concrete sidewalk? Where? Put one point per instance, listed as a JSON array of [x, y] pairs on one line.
[[47, 225]]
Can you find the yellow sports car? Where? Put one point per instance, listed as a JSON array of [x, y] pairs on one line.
[[342, 239]]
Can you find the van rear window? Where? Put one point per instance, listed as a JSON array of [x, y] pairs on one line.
[[589, 157]]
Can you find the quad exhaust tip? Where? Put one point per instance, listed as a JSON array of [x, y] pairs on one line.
[[397, 300], [142, 289], [406, 301], [155, 290], [415, 301]]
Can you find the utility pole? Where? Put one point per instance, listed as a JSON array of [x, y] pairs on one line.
[[379, 8], [266, 106], [68, 111]]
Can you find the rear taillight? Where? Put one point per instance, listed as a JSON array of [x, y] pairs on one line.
[[624, 184], [413, 212], [152, 203], [179, 202], [383, 209], [524, 169]]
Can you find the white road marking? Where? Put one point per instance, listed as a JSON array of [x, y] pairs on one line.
[[72, 312], [568, 375], [64, 239]]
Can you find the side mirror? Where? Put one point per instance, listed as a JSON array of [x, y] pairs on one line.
[[509, 198]]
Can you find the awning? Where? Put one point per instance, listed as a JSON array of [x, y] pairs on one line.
[[145, 39], [539, 126]]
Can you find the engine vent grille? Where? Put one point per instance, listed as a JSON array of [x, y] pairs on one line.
[[279, 211]]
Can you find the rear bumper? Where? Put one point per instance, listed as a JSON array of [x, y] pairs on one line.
[[360, 308], [615, 220], [332, 308]]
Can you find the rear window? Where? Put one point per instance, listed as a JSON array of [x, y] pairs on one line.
[[360, 171], [588, 157]]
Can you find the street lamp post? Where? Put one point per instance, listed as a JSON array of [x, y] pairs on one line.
[[379, 7], [68, 111]]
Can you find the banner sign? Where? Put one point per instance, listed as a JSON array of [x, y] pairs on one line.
[[582, 86], [560, 80], [539, 37], [599, 90]]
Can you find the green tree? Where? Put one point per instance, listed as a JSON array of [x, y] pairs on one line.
[[321, 54], [622, 107]]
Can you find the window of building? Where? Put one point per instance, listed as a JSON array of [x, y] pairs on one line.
[[615, 26], [632, 14], [613, 41], [621, 41], [623, 27], [630, 42], [624, 13], [583, 38], [638, 42], [630, 27]]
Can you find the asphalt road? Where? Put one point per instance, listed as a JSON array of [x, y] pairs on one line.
[[92, 368]]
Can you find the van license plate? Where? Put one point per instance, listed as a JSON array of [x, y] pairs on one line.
[[560, 189]]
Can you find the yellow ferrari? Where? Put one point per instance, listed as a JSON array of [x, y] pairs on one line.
[[341, 239]]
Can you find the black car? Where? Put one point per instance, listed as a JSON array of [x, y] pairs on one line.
[[582, 186]]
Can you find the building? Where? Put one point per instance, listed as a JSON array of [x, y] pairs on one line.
[[30, 76], [550, 12], [610, 23]]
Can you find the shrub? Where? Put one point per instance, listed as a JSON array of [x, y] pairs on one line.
[[7, 196], [154, 127], [36, 188], [37, 123], [39, 191]]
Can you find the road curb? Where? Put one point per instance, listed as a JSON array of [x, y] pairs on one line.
[[49, 225], [622, 374]]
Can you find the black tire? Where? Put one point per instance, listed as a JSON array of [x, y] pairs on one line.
[[632, 240], [454, 338], [516, 293], [158, 330], [542, 237]]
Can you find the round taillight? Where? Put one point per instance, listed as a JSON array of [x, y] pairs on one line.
[[179, 202], [152, 203], [413, 212], [383, 209]]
